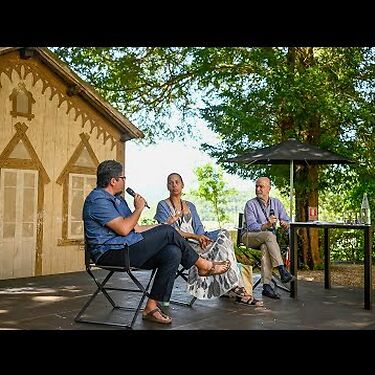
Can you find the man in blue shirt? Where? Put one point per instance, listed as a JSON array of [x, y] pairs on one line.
[[109, 225], [261, 215]]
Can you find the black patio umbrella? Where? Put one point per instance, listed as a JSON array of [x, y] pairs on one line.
[[290, 152]]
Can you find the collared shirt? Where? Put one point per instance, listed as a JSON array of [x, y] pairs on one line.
[[255, 217], [101, 207]]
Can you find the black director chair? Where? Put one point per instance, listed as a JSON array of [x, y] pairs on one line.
[[256, 255], [101, 287], [183, 273]]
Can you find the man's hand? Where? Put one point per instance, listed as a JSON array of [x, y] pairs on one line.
[[284, 224], [139, 202], [271, 221]]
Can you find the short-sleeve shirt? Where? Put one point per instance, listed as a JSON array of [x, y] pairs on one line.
[[101, 207]]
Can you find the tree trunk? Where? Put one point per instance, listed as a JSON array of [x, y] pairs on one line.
[[307, 195], [306, 185]]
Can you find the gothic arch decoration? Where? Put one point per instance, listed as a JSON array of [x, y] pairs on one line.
[[22, 101], [74, 165], [19, 153], [25, 68], [81, 166]]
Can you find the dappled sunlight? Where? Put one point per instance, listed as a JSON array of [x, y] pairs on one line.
[[72, 288], [48, 298], [4, 311], [27, 290], [309, 279], [36, 290]]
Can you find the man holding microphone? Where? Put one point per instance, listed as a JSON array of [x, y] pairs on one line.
[[261, 215]]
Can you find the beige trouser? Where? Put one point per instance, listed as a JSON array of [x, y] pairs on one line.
[[246, 279], [271, 255]]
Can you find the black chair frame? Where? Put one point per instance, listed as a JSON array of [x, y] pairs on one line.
[[101, 287], [257, 258], [183, 272]]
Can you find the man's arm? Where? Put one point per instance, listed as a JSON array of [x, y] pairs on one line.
[[250, 218], [143, 228], [124, 225]]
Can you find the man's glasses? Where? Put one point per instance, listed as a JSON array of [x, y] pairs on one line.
[[123, 177]]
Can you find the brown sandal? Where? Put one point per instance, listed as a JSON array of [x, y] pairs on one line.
[[251, 301], [151, 317], [213, 271], [236, 292]]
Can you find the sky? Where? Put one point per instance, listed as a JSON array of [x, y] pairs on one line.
[[147, 167]]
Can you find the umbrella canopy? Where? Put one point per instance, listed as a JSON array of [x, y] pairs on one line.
[[290, 152]]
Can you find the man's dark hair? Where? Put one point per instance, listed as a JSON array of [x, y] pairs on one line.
[[107, 170]]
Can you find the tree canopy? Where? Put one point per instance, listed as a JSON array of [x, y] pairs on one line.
[[251, 98]]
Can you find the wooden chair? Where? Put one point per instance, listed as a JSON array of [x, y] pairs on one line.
[[101, 287]]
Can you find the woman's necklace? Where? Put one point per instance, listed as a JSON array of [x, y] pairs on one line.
[[179, 221], [174, 207]]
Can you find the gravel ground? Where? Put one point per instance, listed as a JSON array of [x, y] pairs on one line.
[[341, 274]]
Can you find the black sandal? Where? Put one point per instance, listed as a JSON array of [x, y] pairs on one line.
[[250, 301], [236, 292]]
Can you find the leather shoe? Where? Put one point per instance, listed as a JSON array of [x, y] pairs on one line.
[[269, 292], [285, 276]]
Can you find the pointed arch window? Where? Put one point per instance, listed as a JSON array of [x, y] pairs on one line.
[[22, 101], [78, 179]]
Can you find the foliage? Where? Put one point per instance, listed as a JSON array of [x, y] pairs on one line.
[[243, 254], [211, 187], [147, 221], [344, 205], [234, 204], [251, 98]]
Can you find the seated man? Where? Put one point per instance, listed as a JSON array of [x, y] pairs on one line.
[[261, 214], [109, 225]]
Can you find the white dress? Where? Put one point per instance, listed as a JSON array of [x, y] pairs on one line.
[[208, 287]]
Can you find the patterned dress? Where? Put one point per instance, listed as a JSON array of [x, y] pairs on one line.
[[208, 287]]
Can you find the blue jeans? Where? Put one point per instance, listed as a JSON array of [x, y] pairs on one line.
[[163, 248]]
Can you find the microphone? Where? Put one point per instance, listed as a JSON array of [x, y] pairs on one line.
[[132, 193], [272, 213]]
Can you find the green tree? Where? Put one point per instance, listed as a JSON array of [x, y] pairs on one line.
[[211, 187], [252, 97]]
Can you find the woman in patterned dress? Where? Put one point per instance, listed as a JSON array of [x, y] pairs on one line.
[[215, 245]]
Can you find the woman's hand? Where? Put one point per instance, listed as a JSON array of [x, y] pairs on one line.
[[204, 241], [173, 218]]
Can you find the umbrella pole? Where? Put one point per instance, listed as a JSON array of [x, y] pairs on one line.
[[291, 190]]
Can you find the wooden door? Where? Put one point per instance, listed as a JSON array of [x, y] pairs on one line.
[[18, 221]]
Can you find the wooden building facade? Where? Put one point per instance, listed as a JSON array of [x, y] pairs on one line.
[[54, 131]]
